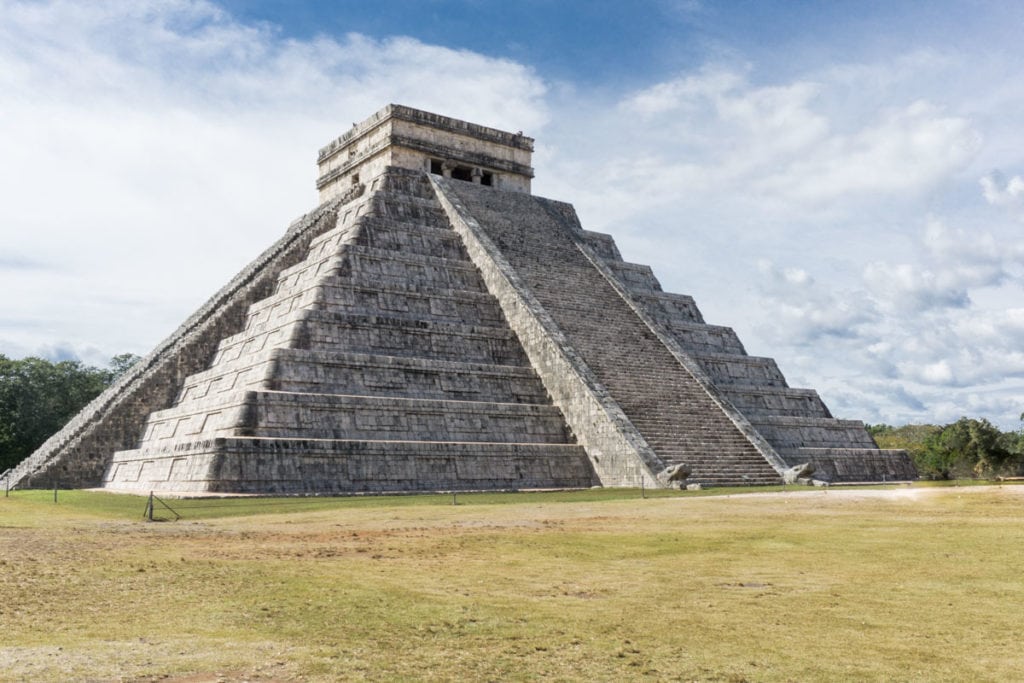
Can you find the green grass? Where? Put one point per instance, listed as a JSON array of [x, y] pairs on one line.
[[922, 584], [36, 505]]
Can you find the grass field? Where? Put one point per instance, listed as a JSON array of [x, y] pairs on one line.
[[888, 584]]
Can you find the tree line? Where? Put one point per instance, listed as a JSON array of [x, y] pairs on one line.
[[38, 396], [967, 448]]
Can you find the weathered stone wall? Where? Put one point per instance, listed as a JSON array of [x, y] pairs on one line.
[[856, 465], [289, 466], [403, 137], [78, 454]]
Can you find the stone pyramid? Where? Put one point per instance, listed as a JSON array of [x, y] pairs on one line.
[[434, 326]]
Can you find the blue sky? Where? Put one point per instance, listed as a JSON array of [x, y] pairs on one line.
[[843, 183]]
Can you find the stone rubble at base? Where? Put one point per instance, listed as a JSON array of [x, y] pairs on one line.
[[434, 326]]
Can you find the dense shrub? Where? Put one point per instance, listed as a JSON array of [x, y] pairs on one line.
[[37, 397], [963, 449]]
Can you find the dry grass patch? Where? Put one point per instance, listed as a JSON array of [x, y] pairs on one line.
[[795, 586]]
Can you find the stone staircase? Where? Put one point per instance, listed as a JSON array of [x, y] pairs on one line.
[[795, 422], [379, 363], [676, 417]]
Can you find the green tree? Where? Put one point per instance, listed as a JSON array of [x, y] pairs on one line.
[[122, 363], [37, 397], [912, 438], [965, 448]]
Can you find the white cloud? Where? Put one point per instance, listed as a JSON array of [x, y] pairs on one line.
[[905, 287], [905, 150], [937, 373], [151, 149], [781, 144], [805, 313], [1003, 192], [952, 263]]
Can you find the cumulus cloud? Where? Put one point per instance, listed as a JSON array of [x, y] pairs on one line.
[[806, 313], [953, 262], [905, 149], [905, 287], [150, 149], [999, 190], [782, 143]]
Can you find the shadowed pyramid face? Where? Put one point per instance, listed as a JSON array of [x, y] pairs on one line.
[[434, 326]]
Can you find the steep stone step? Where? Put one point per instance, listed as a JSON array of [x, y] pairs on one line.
[[368, 235], [425, 212], [666, 307], [700, 338], [409, 184], [789, 433], [726, 368], [267, 331], [754, 400], [342, 372], [434, 304], [411, 238], [276, 309], [329, 416], [249, 372], [369, 265], [276, 333], [603, 244], [322, 330], [376, 375], [320, 416], [636, 276]]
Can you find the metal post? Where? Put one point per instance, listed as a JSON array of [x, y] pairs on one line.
[[455, 501], [643, 491], [149, 507], [54, 490]]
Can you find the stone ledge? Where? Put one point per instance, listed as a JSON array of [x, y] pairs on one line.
[[255, 465]]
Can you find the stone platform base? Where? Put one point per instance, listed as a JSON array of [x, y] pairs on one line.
[[285, 466], [850, 465]]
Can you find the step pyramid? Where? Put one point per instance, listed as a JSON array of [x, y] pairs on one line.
[[435, 326]]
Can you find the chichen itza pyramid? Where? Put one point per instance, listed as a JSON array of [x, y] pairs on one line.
[[434, 326]]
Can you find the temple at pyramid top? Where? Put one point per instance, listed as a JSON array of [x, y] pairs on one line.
[[403, 137]]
